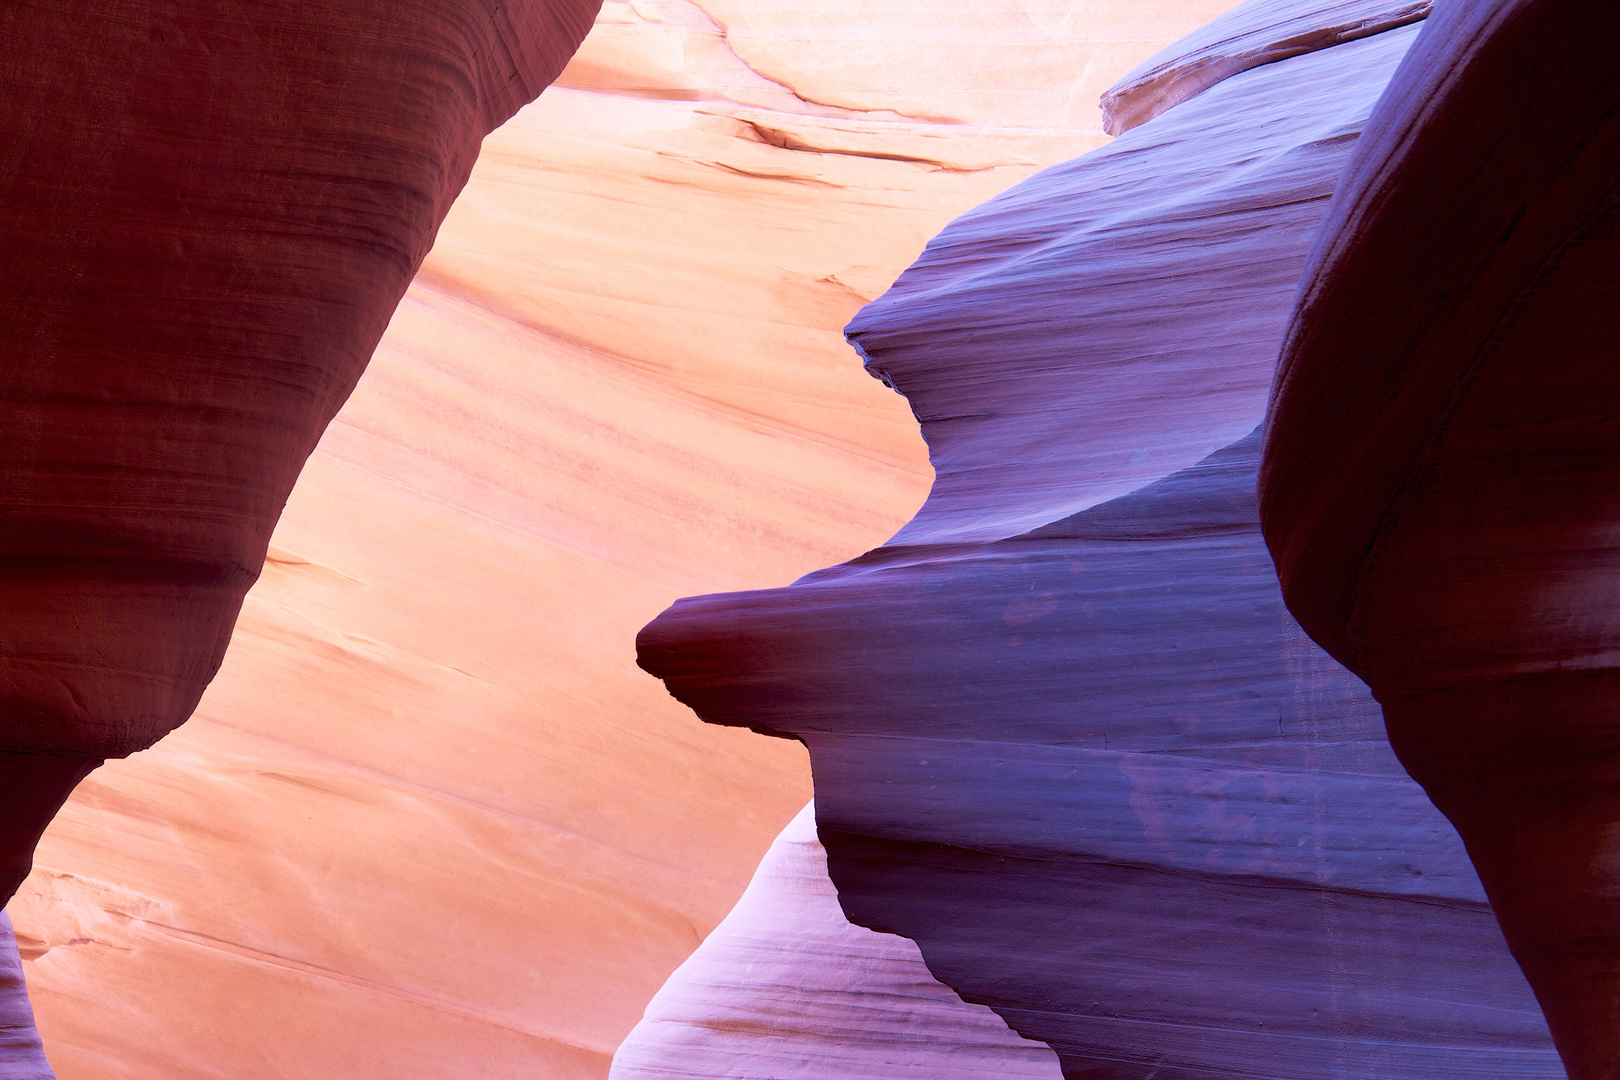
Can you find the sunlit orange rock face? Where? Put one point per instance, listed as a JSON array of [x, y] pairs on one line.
[[429, 820]]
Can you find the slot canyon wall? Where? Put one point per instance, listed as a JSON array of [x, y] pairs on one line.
[[427, 805], [786, 986], [1078, 769], [22, 1057], [1065, 735], [1440, 494]]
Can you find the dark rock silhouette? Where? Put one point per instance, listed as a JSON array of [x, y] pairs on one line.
[[210, 216], [1442, 471]]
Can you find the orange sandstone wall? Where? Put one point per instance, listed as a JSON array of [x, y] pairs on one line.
[[430, 821]]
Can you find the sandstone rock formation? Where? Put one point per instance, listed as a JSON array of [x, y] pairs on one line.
[[428, 804], [1442, 461], [1246, 37], [1065, 735], [210, 217], [21, 1055], [786, 987]]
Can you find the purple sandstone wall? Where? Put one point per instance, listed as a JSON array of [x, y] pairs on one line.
[[1065, 734], [21, 1055], [1442, 471]]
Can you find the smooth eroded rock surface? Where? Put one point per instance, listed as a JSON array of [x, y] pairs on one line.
[[1116, 318], [210, 216], [1251, 34], [1065, 734], [1441, 468], [1111, 790], [21, 1055], [429, 817], [786, 987]]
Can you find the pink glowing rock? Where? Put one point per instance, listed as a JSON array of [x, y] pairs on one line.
[[211, 214]]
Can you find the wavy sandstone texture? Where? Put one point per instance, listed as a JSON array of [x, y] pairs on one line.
[[1246, 37], [1065, 735], [863, 1004], [209, 219], [429, 818], [1442, 463], [21, 1055]]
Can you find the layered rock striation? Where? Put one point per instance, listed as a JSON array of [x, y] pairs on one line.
[[787, 987], [429, 804], [1065, 735], [1442, 462], [1248, 36], [21, 1055], [211, 216]]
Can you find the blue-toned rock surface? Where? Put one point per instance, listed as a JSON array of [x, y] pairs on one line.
[[21, 1055], [1065, 734], [1442, 471]]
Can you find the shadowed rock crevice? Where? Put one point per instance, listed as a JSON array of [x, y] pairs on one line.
[[1440, 491]]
